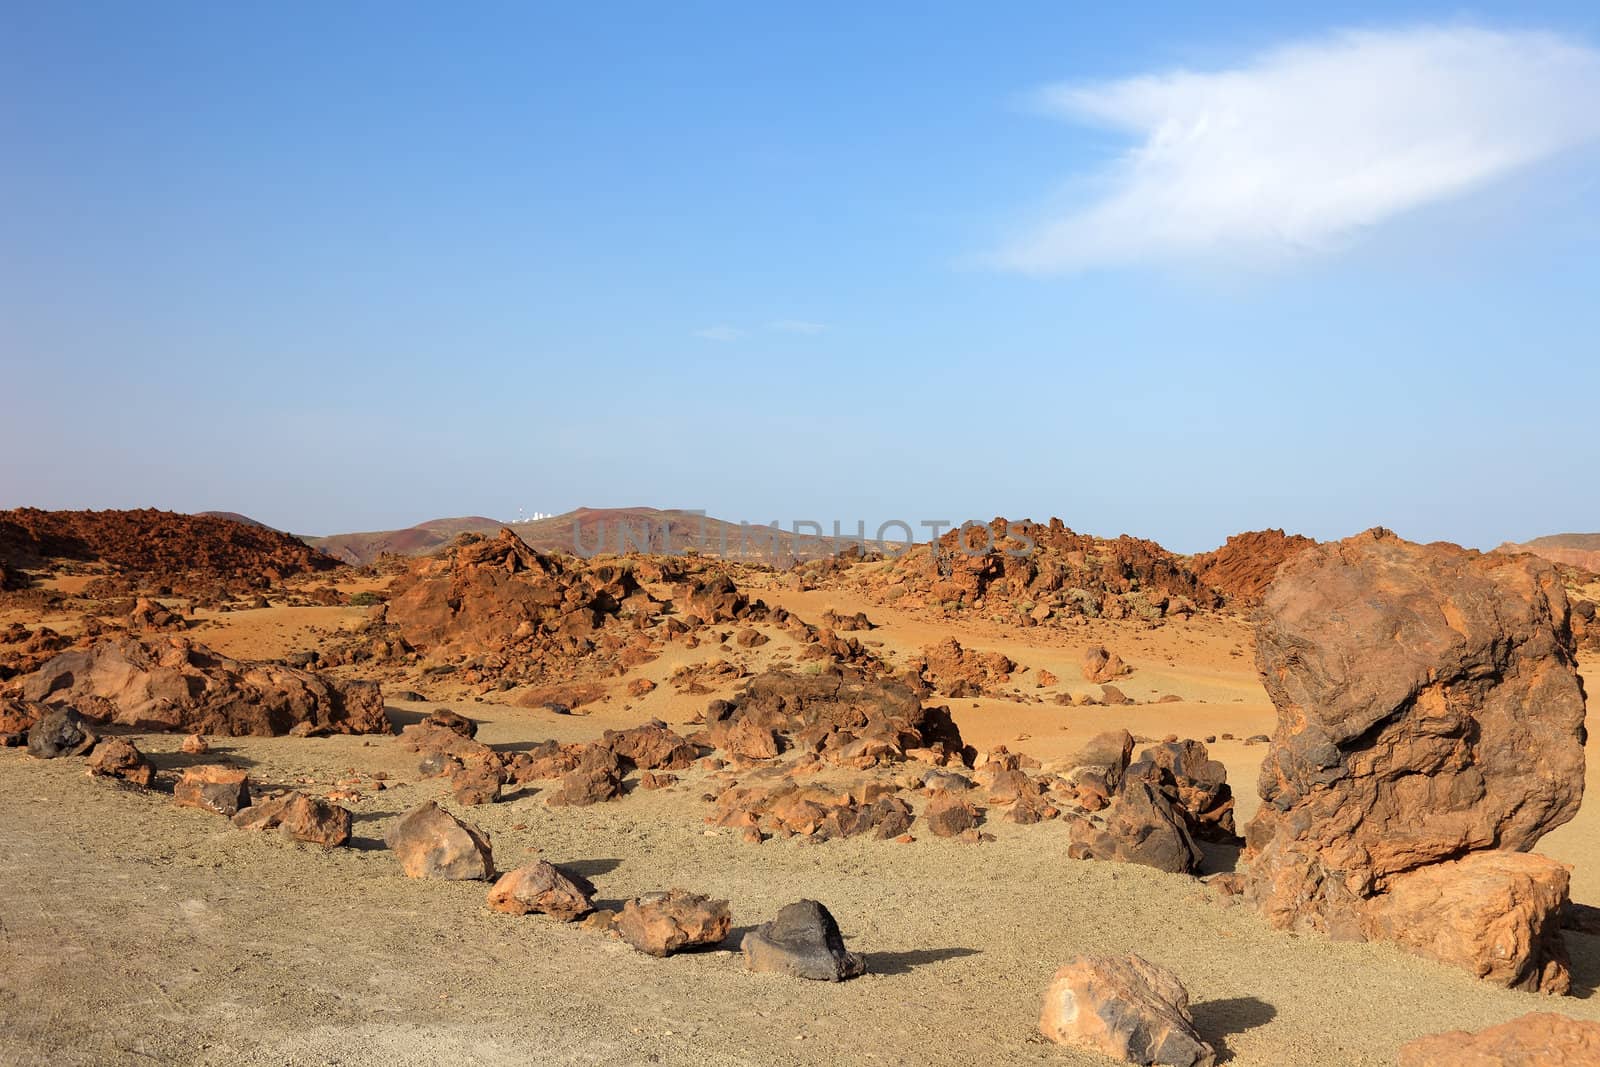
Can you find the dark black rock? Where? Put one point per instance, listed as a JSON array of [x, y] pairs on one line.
[[804, 942], [60, 732]]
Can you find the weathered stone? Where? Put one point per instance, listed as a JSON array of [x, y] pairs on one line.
[[660, 924], [1538, 1039], [429, 842], [117, 757], [597, 778], [544, 888], [947, 815], [804, 942], [60, 732], [1138, 826], [213, 787], [299, 817], [1102, 665], [1196, 784], [1428, 708], [1126, 1008], [651, 747]]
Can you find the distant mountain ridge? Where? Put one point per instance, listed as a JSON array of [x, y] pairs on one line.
[[1581, 550]]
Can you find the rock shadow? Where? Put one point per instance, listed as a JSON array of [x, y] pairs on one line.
[[906, 962], [1218, 1019], [1584, 951]]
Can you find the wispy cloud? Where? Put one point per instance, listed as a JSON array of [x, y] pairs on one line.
[[1312, 142], [797, 326], [720, 332]]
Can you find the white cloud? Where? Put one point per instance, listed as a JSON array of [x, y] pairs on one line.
[[1310, 143], [797, 326], [720, 332]]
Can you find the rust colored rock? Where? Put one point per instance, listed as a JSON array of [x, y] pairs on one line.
[[660, 924], [477, 781], [454, 721], [961, 672], [748, 739], [1126, 1008], [17, 718], [213, 787], [544, 888], [597, 778], [1138, 826], [1537, 1039], [652, 780], [299, 817], [1495, 914], [802, 942], [195, 745], [429, 842], [117, 757], [1045, 679], [947, 815], [60, 732], [169, 683], [1102, 665], [651, 747], [1428, 707], [641, 687], [1245, 565]]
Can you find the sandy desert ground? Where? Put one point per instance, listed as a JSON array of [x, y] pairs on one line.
[[134, 931]]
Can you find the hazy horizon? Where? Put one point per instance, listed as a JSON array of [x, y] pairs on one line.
[[1174, 273]]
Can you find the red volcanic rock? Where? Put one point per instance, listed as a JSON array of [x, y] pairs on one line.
[[17, 718], [1126, 1008], [299, 817], [1139, 825], [1102, 665], [544, 888], [660, 924], [1245, 565], [597, 778], [1428, 708], [195, 745], [429, 842], [212, 787], [117, 757], [947, 815], [183, 550], [169, 683], [959, 672], [1496, 914], [477, 781], [651, 747], [1533, 1040], [453, 721]]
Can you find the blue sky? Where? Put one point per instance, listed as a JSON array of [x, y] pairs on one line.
[[1172, 271]]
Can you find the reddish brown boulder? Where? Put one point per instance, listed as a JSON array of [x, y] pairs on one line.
[[544, 888], [597, 778], [1195, 784], [212, 787], [117, 757], [651, 747], [299, 817], [16, 719], [748, 739], [1102, 665], [1126, 1008], [195, 745], [1538, 1039], [169, 683], [477, 781], [948, 815], [1428, 708], [429, 842], [660, 924], [454, 721], [1495, 914], [960, 672]]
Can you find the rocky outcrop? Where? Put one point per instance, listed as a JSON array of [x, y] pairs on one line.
[[170, 683], [119, 758], [802, 942], [1245, 565], [1532, 1040], [954, 671], [1428, 709], [660, 924], [429, 842], [1099, 665], [1126, 1008], [1195, 784]]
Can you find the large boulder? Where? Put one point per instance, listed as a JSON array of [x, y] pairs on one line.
[[1537, 1039], [660, 924], [1138, 826], [1428, 708], [170, 683], [1124, 1007], [1196, 784], [429, 842], [803, 942], [544, 888]]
